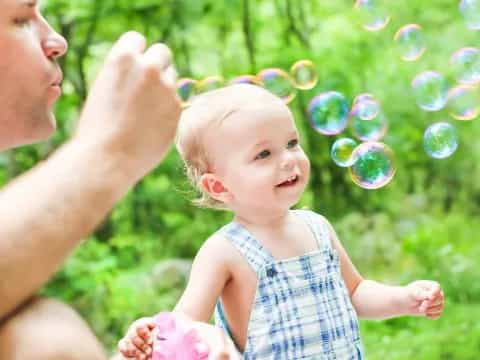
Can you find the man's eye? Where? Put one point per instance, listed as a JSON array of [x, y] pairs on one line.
[[21, 21], [262, 155], [292, 143]]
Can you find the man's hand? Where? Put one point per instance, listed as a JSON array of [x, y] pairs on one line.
[[132, 109]]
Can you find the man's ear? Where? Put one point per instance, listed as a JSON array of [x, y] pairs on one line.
[[214, 187]]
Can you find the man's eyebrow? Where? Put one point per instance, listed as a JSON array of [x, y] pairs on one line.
[[29, 3]]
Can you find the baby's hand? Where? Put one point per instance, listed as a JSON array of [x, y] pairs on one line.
[[425, 298], [138, 342]]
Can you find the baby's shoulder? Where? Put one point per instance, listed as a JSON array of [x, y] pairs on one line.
[[219, 249]]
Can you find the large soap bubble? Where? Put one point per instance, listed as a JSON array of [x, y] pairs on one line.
[[430, 90], [373, 165], [373, 14], [440, 140], [328, 112]]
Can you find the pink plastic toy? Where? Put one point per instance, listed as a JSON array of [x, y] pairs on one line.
[[173, 343]]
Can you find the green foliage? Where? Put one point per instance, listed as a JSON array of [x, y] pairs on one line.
[[454, 336], [422, 225]]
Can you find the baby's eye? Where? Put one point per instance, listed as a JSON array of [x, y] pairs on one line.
[[292, 143], [262, 155]]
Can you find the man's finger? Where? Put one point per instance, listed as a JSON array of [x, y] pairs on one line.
[[129, 41], [170, 77], [158, 55]]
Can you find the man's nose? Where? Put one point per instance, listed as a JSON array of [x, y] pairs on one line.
[[54, 46]]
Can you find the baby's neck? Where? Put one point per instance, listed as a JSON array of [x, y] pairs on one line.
[[283, 235], [265, 221]]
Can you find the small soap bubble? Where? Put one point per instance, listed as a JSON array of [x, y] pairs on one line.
[[328, 112], [440, 140], [278, 82], [342, 150], [365, 107], [466, 65], [410, 42], [369, 130], [463, 102], [304, 75], [374, 165], [362, 97], [210, 83], [470, 10], [430, 90], [373, 14], [246, 79], [186, 89]]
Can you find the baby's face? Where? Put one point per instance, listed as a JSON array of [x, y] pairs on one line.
[[255, 152]]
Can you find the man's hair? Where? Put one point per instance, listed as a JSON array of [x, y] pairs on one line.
[[206, 112]]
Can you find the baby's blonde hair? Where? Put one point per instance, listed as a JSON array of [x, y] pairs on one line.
[[206, 111]]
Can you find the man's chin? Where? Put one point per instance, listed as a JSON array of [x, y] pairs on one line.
[[44, 129]]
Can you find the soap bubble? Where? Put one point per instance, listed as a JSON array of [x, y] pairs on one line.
[[470, 10], [440, 140], [186, 89], [374, 165], [210, 83], [463, 102], [369, 130], [328, 112], [365, 107], [410, 42], [466, 65], [430, 90], [363, 97], [304, 75], [278, 82], [373, 14], [342, 150], [246, 79]]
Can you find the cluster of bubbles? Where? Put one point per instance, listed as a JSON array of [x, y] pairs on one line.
[[302, 75], [371, 163], [431, 89], [329, 113]]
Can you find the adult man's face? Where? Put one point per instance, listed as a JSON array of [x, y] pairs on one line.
[[29, 74]]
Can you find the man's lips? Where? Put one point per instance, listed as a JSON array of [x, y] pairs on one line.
[[57, 80]]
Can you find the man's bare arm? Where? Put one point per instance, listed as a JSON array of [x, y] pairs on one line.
[[126, 127], [46, 212]]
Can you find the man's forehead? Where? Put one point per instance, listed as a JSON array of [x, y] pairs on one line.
[[28, 3]]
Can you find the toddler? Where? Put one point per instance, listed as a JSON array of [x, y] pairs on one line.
[[279, 280]]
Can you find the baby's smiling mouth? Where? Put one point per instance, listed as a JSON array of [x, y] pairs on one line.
[[292, 180]]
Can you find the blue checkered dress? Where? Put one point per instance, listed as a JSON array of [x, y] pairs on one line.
[[302, 309]]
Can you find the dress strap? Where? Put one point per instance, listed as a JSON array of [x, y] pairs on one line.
[[318, 225], [250, 248]]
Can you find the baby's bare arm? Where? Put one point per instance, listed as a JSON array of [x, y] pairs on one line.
[[350, 274], [210, 273], [374, 300]]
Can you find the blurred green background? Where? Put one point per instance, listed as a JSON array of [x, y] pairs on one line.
[[424, 224]]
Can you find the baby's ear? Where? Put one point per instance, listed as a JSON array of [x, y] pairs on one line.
[[214, 187]]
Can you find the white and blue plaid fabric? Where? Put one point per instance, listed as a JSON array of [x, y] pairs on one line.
[[302, 309]]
